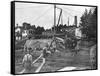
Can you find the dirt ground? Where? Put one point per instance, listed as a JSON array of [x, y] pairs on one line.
[[56, 61]]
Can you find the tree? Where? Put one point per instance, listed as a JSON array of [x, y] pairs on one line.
[[84, 22], [26, 26], [39, 30], [93, 24], [89, 24]]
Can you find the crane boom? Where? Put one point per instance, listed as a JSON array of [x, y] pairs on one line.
[[59, 17]]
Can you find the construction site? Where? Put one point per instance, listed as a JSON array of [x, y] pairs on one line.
[[67, 50]]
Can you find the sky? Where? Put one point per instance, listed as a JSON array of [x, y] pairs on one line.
[[43, 14]]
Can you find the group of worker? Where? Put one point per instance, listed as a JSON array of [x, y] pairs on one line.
[[27, 61]]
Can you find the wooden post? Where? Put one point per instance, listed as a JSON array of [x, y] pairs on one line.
[[39, 68], [54, 19]]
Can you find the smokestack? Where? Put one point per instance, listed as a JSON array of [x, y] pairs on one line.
[[75, 21], [68, 21]]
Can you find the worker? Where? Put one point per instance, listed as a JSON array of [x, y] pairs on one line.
[[27, 61], [45, 52], [28, 44]]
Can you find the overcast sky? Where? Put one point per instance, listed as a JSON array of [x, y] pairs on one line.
[[43, 14]]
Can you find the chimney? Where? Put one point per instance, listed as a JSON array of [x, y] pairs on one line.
[[75, 21], [68, 21]]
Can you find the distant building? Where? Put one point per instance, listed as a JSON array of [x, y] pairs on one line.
[[18, 29], [29, 32], [18, 35], [24, 34]]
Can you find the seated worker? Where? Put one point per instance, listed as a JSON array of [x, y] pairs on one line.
[[27, 61], [46, 52]]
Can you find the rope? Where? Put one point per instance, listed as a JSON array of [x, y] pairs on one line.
[[44, 13]]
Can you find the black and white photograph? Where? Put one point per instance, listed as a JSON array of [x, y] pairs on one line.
[[53, 37]]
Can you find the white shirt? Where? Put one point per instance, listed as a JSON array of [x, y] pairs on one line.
[[27, 57]]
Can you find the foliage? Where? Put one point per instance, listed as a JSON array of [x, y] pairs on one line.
[[89, 24]]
